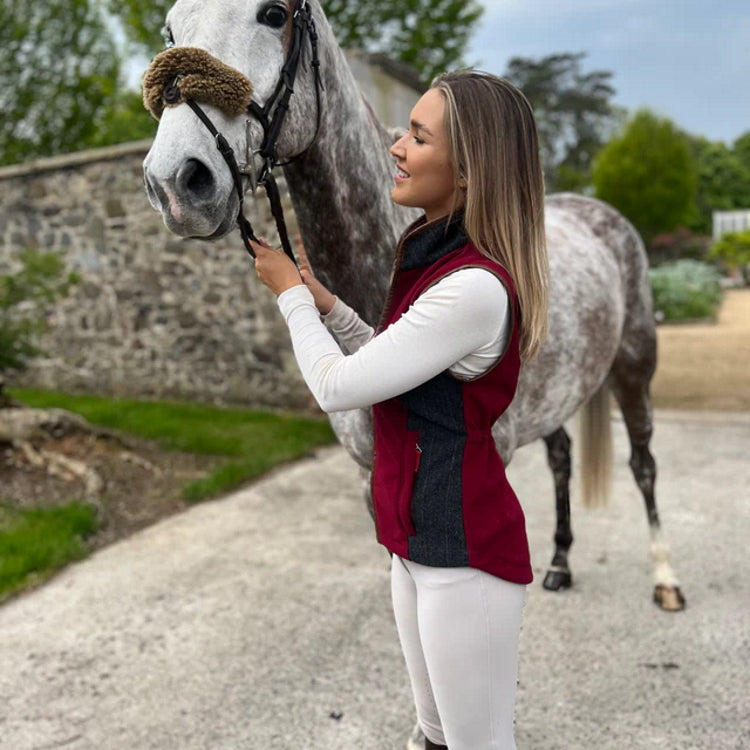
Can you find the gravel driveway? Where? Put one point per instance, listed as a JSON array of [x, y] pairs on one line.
[[262, 620]]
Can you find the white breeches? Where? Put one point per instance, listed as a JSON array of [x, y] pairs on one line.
[[459, 630]]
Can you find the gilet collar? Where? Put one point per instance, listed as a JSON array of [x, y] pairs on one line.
[[425, 242]]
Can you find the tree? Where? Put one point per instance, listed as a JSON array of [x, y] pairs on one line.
[[573, 111], [648, 173], [142, 22], [741, 149], [59, 67], [723, 181], [430, 35], [125, 119]]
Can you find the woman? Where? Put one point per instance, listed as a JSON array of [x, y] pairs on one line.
[[467, 304]]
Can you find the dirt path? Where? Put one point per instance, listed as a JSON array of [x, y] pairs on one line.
[[707, 365]]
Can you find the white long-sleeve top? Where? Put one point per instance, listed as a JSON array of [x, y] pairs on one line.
[[459, 324]]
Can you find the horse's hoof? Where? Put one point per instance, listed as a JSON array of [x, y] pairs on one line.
[[557, 579], [416, 740], [669, 598]]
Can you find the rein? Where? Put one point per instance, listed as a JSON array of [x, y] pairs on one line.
[[271, 117]]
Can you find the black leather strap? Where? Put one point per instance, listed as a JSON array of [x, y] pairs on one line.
[[278, 103], [246, 228]]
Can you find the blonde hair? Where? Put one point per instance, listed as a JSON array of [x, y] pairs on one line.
[[494, 149]]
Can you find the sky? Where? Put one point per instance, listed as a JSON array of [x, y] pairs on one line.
[[688, 60]]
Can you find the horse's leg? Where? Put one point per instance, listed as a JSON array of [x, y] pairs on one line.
[[635, 403], [558, 456]]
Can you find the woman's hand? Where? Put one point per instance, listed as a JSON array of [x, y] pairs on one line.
[[274, 268], [324, 300]]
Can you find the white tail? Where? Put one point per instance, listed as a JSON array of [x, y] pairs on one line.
[[596, 449]]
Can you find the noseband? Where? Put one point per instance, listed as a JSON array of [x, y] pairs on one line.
[[179, 75]]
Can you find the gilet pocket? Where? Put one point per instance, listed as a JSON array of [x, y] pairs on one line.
[[411, 464]]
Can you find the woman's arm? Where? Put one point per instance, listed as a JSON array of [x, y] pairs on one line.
[[464, 313], [351, 331]]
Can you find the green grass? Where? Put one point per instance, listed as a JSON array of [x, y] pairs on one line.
[[251, 441], [36, 542]]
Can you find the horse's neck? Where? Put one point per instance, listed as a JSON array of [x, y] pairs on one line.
[[340, 189]]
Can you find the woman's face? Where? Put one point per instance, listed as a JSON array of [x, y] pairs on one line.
[[424, 176]]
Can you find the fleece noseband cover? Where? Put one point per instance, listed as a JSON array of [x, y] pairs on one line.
[[200, 77]]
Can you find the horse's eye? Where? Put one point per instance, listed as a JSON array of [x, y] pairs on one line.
[[273, 15], [166, 33]]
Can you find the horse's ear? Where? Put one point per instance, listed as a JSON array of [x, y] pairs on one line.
[[396, 133]]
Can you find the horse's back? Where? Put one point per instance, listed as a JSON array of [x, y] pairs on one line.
[[599, 295]]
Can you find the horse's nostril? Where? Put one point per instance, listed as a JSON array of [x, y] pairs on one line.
[[151, 191], [195, 181]]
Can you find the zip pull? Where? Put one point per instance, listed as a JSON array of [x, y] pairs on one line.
[[418, 457]]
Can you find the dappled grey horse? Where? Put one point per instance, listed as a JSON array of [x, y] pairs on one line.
[[233, 59]]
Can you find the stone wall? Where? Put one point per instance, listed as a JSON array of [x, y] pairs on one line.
[[153, 315]]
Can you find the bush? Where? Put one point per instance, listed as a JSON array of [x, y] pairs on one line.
[[23, 297], [734, 250], [682, 244], [685, 289]]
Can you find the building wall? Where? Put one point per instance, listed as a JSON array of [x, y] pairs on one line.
[[392, 97], [726, 222]]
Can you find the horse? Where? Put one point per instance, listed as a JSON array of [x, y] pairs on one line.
[[335, 157]]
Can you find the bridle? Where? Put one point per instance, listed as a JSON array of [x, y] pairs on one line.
[[271, 117]]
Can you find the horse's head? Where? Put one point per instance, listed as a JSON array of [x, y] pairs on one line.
[[224, 52]]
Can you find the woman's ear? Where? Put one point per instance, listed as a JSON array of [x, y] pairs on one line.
[[462, 182]]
